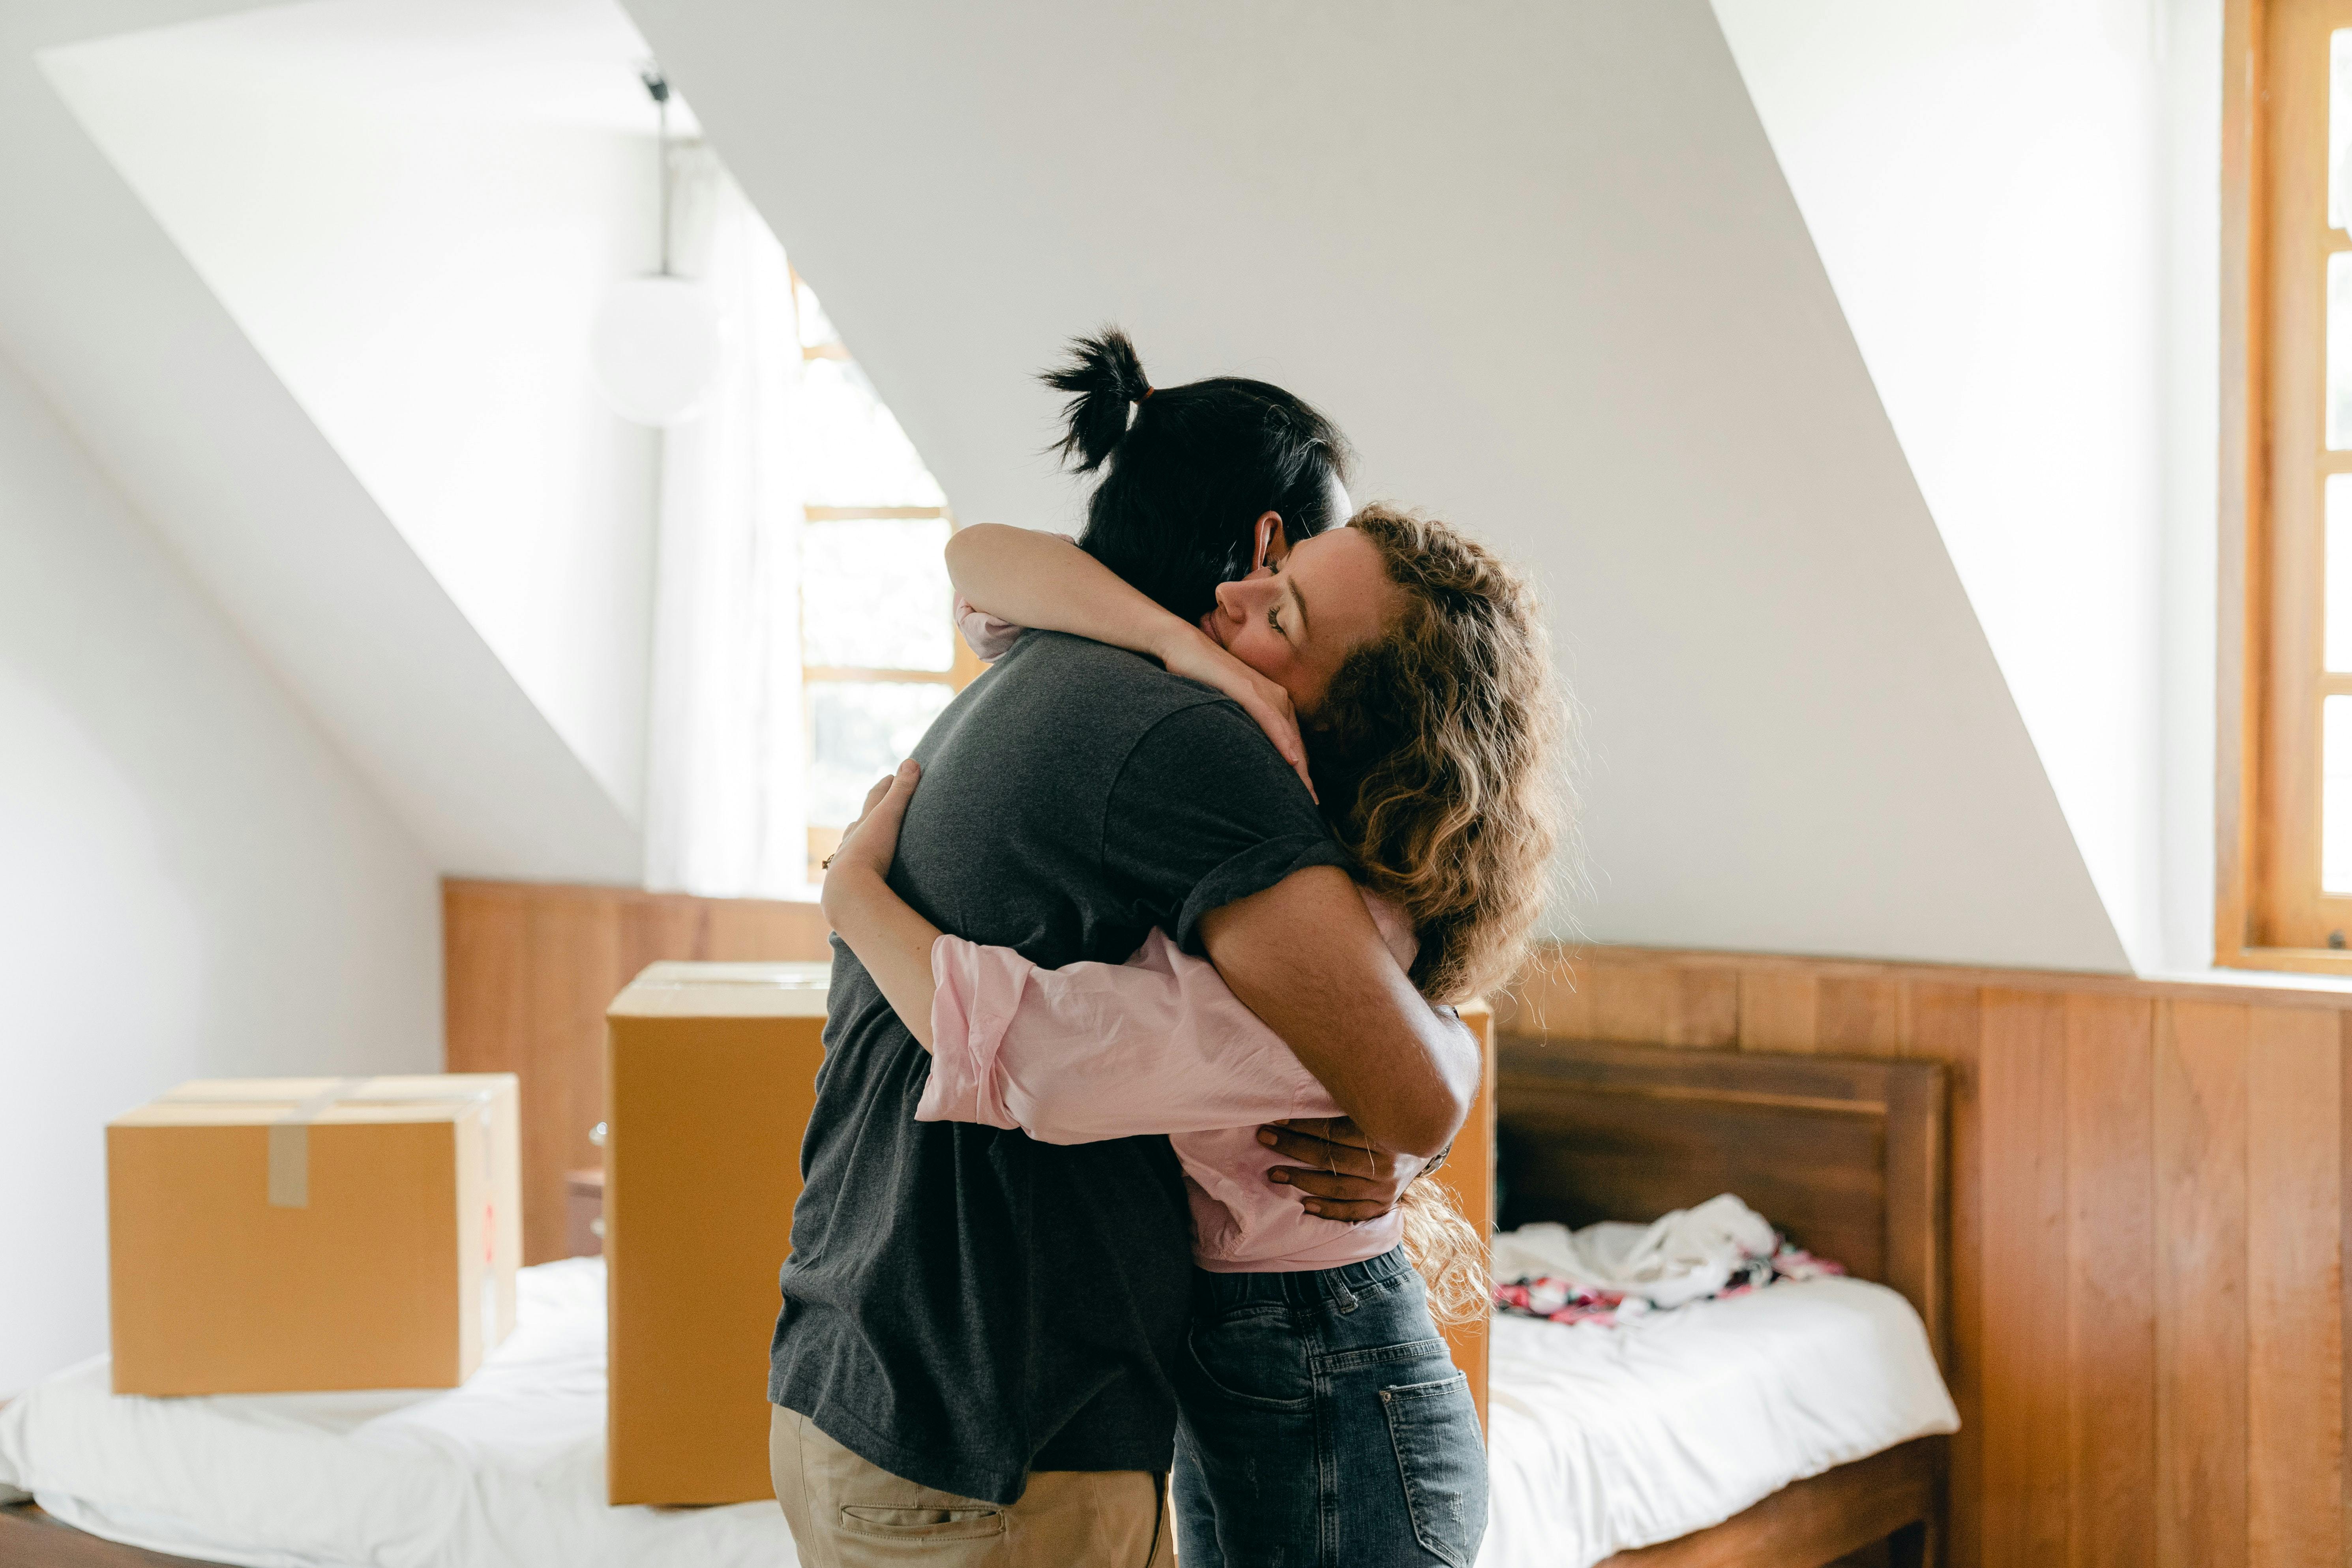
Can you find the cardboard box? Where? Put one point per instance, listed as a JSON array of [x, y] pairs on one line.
[[711, 1075], [284, 1235]]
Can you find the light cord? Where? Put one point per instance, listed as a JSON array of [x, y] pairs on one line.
[[658, 87]]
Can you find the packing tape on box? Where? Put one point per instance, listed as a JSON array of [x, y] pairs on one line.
[[290, 1133], [290, 1145]]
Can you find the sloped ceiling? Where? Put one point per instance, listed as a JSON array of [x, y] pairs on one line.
[[148, 368], [1537, 259]]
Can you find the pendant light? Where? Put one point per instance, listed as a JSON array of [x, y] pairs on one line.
[[655, 344]]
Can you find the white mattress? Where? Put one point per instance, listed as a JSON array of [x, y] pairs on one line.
[[1607, 1438], [505, 1472], [1603, 1438]]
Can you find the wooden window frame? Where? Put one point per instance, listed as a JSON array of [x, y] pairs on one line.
[[2269, 912], [963, 668]]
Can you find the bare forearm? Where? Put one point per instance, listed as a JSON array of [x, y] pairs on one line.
[[890, 940], [1043, 580], [1307, 959]]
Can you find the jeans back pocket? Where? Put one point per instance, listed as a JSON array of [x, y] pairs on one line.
[[1442, 1454]]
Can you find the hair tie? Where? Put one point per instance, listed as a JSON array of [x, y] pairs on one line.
[[1147, 393]]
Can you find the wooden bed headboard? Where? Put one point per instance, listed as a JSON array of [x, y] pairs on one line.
[[1846, 1156]]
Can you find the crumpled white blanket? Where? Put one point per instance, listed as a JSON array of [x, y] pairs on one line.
[[1678, 1258], [506, 1472]]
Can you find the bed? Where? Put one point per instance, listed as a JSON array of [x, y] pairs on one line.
[[1773, 1429], [1849, 1157]]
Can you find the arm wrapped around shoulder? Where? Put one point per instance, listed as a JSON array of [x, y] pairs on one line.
[[1091, 1051]]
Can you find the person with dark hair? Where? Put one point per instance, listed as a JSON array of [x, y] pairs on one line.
[[1200, 470], [1327, 1424], [983, 1334]]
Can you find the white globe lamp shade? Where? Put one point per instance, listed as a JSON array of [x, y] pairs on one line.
[[654, 349]]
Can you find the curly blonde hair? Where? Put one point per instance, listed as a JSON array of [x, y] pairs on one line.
[[1434, 750]]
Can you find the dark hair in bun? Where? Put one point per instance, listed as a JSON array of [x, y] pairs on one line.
[[1188, 470]]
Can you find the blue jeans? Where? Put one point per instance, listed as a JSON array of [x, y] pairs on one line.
[[1326, 1425]]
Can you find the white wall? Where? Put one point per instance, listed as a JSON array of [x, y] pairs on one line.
[[197, 883], [2190, 53], [106, 318], [1538, 261], [419, 260], [2005, 194]]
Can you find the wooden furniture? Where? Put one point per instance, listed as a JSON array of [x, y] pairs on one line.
[[2148, 1224], [1469, 1176], [31, 1539], [1848, 1156]]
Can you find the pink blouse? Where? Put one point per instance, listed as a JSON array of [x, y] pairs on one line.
[[988, 637], [1158, 1044]]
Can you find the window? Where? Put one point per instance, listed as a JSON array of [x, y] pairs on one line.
[[878, 650], [2286, 889]]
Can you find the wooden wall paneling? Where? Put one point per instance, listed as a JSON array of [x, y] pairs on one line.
[[748, 930], [2110, 1163], [2150, 1206], [2295, 1325], [1946, 1026], [2022, 1089], [529, 969], [1548, 998], [1778, 1011], [2201, 1164], [575, 959], [1859, 1016], [1631, 1002], [1706, 1008], [653, 926], [1656, 1003]]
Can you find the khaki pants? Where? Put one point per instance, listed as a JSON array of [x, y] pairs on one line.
[[848, 1513]]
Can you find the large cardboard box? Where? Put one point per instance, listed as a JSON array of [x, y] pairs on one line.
[[281, 1235], [710, 1077]]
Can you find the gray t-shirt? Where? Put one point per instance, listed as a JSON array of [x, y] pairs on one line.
[[963, 1305]]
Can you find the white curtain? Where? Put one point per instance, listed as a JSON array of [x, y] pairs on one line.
[[725, 813]]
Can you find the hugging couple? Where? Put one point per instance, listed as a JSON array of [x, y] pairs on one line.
[[1253, 789]]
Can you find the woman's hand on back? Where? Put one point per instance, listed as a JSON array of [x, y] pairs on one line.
[[882, 929], [869, 844], [1190, 652]]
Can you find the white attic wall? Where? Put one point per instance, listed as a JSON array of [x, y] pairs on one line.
[[143, 362], [2013, 205], [198, 884], [413, 211], [1538, 262]]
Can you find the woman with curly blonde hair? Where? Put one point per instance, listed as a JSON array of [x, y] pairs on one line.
[[1322, 1421]]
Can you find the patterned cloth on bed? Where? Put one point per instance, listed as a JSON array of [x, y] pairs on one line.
[[1557, 1301], [1612, 1273]]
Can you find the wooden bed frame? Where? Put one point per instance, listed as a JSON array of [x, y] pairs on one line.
[[1847, 1156]]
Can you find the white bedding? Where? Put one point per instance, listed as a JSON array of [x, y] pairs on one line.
[[505, 1472], [1603, 1438], [1606, 1439]]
